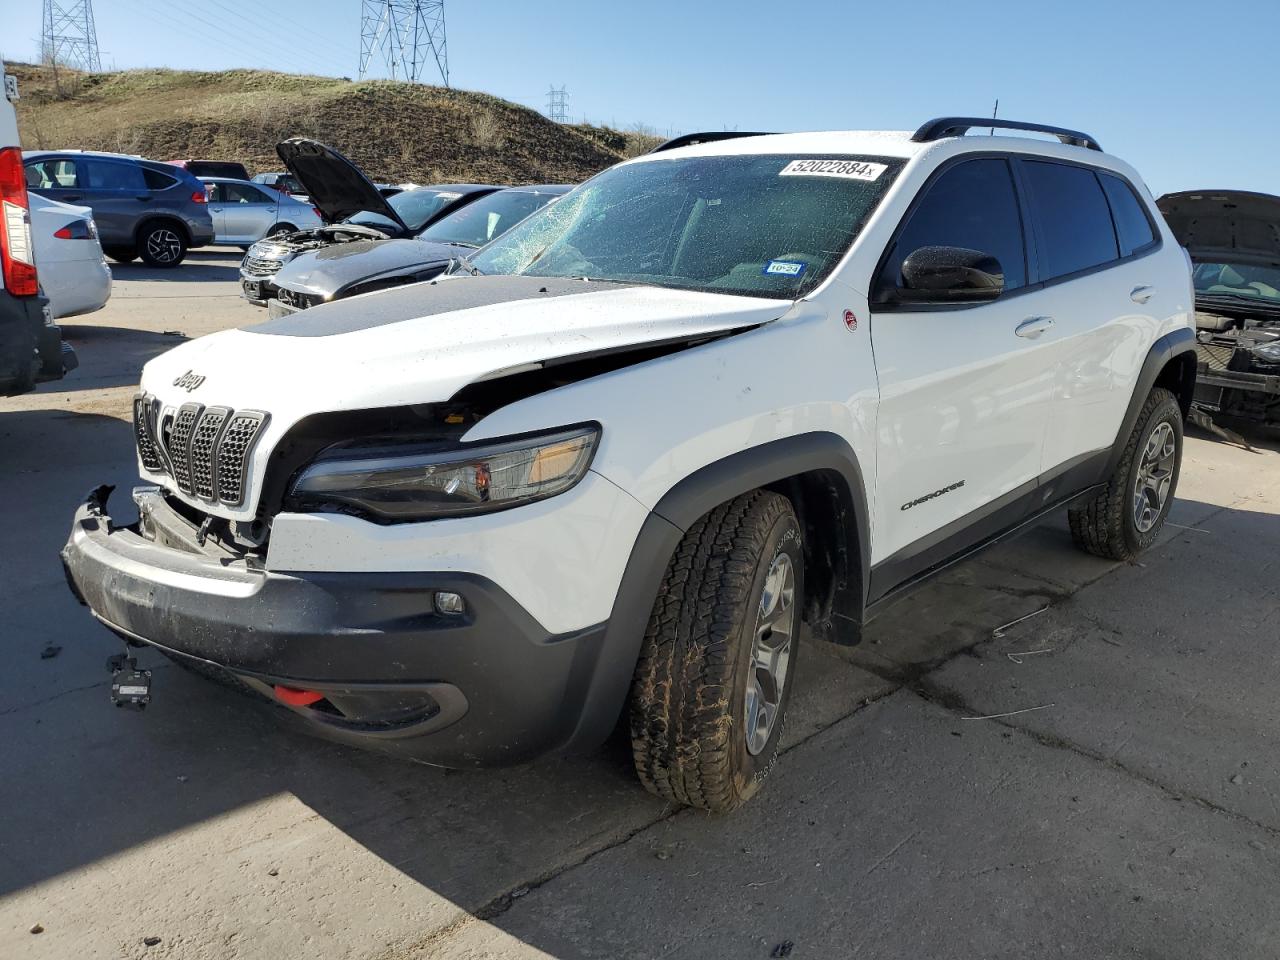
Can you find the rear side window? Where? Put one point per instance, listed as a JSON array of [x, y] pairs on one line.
[[243, 193], [1074, 221], [156, 180], [52, 175], [114, 175], [1132, 226], [971, 205]]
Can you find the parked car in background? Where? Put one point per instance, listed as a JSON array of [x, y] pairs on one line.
[[348, 269], [213, 168], [245, 212], [143, 208], [1233, 237], [31, 345], [284, 182], [353, 210], [73, 272]]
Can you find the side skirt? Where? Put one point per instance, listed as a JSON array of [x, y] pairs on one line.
[[915, 564]]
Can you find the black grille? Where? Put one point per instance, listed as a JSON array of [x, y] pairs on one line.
[[233, 455], [147, 450], [205, 450], [178, 444], [204, 440]]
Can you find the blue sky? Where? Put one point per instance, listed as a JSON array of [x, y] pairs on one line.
[[1182, 90]]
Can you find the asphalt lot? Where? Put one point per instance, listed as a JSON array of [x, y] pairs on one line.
[[1126, 808]]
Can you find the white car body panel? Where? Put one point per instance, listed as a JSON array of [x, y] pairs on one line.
[[73, 273], [923, 399]]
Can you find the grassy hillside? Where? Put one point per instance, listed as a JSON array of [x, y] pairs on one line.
[[395, 131]]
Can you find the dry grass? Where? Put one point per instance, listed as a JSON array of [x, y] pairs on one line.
[[395, 131]]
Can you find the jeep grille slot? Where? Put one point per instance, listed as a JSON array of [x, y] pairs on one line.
[[148, 452], [205, 449], [204, 441], [179, 444], [233, 455]]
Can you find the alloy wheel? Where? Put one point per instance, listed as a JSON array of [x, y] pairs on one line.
[[1154, 477], [770, 653], [163, 245]]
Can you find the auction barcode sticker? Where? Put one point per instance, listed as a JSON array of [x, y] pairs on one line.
[[849, 169]]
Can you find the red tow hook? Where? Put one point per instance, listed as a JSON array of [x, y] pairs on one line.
[[297, 698]]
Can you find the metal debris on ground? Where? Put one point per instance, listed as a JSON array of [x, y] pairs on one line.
[[783, 949], [1011, 713], [1017, 657], [999, 631], [50, 651], [150, 941], [1183, 526], [1201, 418]]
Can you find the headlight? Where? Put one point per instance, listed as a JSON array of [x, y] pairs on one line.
[[1270, 352], [393, 485]]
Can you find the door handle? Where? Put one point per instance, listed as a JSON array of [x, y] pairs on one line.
[[1032, 327], [1141, 294]]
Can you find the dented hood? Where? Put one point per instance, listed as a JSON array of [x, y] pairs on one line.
[[423, 343], [1225, 226]]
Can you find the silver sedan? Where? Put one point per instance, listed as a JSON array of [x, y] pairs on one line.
[[244, 212]]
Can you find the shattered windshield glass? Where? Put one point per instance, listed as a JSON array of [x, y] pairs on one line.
[[767, 226]]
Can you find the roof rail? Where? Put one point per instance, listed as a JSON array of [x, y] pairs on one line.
[[957, 127], [689, 139]]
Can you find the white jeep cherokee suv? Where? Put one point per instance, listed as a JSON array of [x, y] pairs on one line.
[[612, 463]]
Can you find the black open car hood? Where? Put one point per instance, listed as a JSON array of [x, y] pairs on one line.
[[1225, 226], [335, 185]]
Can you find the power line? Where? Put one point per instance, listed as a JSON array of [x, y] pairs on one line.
[[404, 34], [69, 36]]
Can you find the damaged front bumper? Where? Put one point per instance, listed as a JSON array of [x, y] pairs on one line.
[[484, 687]]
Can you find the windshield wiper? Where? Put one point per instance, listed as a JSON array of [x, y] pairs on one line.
[[1241, 299], [465, 264]]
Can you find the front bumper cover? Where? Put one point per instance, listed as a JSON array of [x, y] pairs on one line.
[[487, 687]]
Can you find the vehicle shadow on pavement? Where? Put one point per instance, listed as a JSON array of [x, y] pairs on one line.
[[203, 264], [110, 356], [216, 812]]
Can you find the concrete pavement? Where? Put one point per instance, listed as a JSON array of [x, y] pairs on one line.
[[1130, 811]]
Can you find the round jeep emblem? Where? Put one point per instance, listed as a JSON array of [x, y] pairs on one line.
[[850, 320]]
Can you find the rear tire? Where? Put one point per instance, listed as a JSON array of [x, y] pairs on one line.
[[162, 245], [1126, 517], [711, 688], [121, 254]]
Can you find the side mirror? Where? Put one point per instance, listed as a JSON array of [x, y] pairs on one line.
[[949, 275]]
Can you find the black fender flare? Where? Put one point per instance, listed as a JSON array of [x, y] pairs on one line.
[[1171, 345], [608, 677]]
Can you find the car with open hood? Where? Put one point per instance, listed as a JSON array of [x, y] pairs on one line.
[[352, 207], [1233, 238], [364, 266], [608, 466]]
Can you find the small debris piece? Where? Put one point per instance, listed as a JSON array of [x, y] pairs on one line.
[[783, 949], [1256, 844], [37, 928], [150, 941], [999, 631], [50, 651], [1011, 713], [519, 892], [1017, 657], [182, 778], [1236, 778], [173, 333], [273, 872], [662, 854]]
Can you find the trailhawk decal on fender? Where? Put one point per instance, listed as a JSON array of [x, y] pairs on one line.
[[849, 169], [932, 496]]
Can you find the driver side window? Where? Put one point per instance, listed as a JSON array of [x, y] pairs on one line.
[[971, 205]]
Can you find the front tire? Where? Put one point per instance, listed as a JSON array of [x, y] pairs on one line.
[[1126, 517], [710, 693], [162, 245]]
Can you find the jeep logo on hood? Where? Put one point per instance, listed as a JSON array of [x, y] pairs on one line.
[[189, 381]]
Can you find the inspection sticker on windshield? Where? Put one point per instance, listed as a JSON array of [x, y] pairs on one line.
[[783, 268], [849, 169]]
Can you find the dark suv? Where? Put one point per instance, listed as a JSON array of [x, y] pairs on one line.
[[145, 209]]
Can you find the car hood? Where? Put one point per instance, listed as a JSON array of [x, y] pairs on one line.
[[335, 186], [423, 343], [1232, 226], [331, 270]]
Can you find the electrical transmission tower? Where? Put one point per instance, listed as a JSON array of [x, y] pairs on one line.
[[69, 37], [403, 34], [558, 105]]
